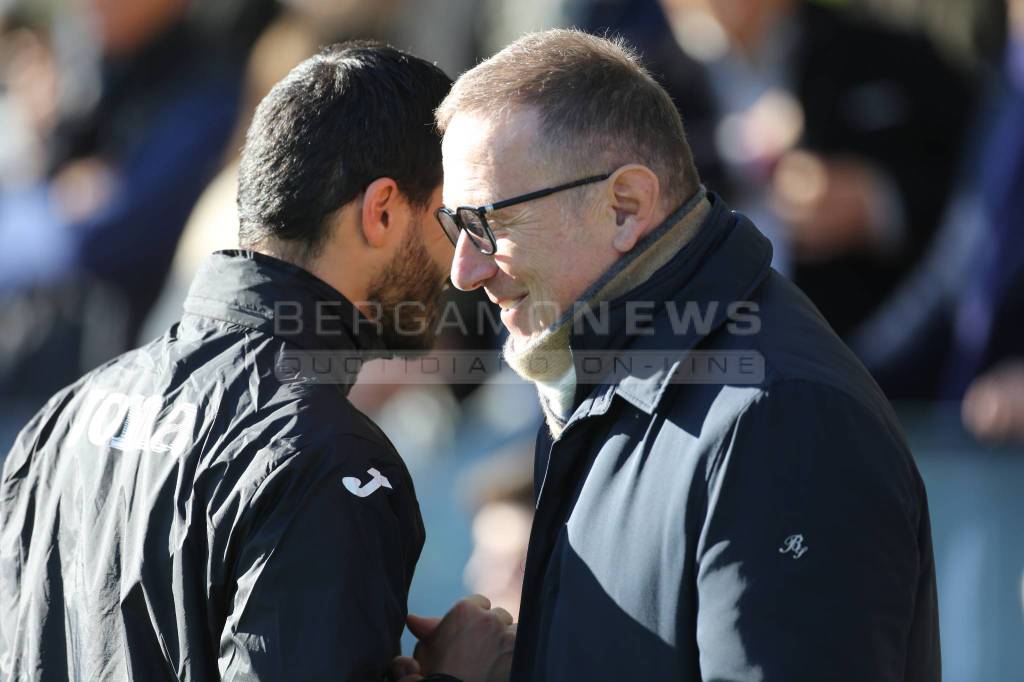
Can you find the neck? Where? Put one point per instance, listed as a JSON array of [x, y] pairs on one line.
[[340, 278], [323, 267]]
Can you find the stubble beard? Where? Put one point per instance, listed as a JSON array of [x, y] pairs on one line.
[[408, 293]]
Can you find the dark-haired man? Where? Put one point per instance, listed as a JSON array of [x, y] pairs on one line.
[[723, 493], [211, 506]]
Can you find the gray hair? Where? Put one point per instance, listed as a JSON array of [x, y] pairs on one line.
[[599, 107]]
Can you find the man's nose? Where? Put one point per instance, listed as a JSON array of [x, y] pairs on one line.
[[470, 267]]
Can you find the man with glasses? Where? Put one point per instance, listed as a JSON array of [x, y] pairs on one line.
[[722, 492]]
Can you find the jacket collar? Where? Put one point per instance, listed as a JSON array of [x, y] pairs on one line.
[[725, 262], [269, 295]]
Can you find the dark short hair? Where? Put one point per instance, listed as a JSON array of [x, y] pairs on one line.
[[356, 112], [598, 105]]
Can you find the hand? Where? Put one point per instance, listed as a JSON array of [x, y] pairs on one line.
[[993, 408], [473, 642], [83, 187], [404, 669], [832, 207]]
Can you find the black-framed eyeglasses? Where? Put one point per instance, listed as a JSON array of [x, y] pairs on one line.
[[473, 219]]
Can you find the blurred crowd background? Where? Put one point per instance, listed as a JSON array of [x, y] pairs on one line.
[[878, 143]]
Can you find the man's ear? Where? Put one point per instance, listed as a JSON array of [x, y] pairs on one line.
[[381, 209], [634, 195]]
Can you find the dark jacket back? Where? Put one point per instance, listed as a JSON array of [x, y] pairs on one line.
[[183, 513]]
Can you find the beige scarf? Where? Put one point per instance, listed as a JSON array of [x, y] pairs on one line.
[[547, 359]]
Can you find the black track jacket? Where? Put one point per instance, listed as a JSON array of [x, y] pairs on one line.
[[184, 513]]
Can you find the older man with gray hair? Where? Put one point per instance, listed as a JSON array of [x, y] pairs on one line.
[[722, 492]]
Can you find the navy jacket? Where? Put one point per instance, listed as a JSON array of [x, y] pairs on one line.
[[766, 526], [189, 512]]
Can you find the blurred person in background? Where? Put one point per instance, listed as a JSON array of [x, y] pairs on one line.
[[293, 36], [28, 92], [839, 135], [675, 511], [270, 530], [647, 24], [501, 489], [954, 330], [132, 136]]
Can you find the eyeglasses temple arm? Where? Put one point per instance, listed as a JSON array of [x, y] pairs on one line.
[[545, 192]]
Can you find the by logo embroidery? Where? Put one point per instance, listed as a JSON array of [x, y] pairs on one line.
[[377, 480], [794, 544]]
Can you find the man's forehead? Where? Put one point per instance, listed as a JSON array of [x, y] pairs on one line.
[[487, 154]]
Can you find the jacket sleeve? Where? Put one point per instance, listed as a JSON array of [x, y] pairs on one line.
[[322, 576], [815, 558]]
